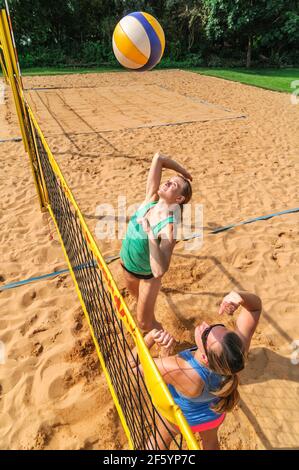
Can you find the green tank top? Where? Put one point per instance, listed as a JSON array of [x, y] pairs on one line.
[[135, 253]]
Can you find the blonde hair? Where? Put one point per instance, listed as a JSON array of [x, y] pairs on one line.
[[228, 363]]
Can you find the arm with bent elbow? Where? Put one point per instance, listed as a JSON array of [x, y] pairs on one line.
[[160, 252], [159, 256], [154, 177], [248, 317]]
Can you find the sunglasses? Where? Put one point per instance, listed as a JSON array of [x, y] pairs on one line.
[[205, 334]]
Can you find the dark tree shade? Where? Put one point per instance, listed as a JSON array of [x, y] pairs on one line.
[[198, 32]]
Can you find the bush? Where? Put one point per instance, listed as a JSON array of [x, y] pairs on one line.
[[214, 61], [92, 52], [42, 57], [174, 50], [191, 60], [284, 59]]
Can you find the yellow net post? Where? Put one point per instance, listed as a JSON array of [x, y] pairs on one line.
[[13, 49]]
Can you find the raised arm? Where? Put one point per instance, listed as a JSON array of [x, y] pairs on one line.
[[154, 177], [249, 315]]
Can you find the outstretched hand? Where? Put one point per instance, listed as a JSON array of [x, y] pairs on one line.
[[230, 303]]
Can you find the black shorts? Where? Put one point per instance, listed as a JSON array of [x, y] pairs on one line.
[[138, 276]]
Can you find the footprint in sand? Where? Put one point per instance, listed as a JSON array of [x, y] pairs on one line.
[[78, 325], [28, 298], [28, 323], [89, 443], [37, 349], [57, 388]]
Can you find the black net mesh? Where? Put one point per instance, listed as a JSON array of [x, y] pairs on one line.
[[147, 429]]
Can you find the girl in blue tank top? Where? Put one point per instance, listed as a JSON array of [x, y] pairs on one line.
[[203, 380], [150, 239]]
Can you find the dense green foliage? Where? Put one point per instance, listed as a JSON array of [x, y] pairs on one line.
[[210, 33]]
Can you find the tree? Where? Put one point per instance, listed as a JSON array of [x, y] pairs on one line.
[[248, 21], [51, 32]]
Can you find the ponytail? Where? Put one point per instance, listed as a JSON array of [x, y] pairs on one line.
[[228, 363], [228, 395]]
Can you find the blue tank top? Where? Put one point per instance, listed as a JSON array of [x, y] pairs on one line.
[[197, 410]]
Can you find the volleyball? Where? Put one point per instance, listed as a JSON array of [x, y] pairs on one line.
[[138, 41]]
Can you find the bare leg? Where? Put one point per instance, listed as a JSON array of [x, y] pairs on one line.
[[148, 293], [132, 283], [163, 435], [210, 439]]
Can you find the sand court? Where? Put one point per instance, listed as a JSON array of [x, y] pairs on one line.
[[52, 394], [102, 109]]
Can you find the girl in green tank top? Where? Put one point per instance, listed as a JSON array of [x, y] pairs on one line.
[[135, 252], [147, 248]]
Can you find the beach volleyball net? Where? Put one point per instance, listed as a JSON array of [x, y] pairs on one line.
[[142, 399]]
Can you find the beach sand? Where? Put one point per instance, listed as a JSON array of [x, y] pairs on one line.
[[242, 150]]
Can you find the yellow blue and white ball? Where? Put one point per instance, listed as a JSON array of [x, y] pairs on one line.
[[138, 41]]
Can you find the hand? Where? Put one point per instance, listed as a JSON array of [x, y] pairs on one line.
[[145, 225], [230, 303], [163, 339], [187, 175]]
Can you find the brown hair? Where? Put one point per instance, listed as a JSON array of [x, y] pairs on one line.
[[186, 191], [228, 363]]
